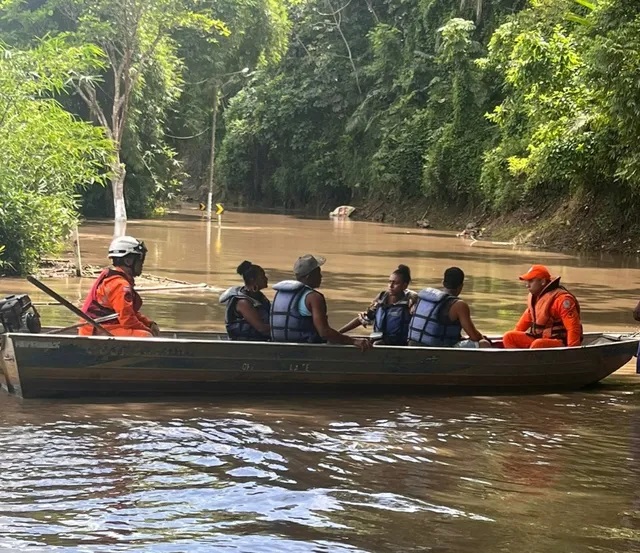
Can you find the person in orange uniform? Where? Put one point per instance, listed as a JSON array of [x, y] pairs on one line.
[[113, 292], [552, 317]]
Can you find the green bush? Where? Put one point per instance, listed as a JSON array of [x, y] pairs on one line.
[[46, 153]]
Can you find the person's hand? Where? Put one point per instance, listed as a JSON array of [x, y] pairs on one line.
[[363, 344], [364, 320], [155, 329]]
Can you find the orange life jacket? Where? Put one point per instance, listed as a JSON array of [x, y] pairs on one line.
[[544, 324], [95, 307]]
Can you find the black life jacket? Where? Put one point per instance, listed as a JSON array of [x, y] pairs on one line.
[[393, 320], [237, 326]]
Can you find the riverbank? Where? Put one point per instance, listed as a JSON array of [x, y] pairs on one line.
[[575, 224]]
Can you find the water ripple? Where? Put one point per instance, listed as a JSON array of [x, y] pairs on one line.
[[385, 475]]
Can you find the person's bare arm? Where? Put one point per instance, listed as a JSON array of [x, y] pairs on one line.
[[318, 307], [636, 312], [355, 323], [363, 319], [460, 311], [250, 315], [413, 302]]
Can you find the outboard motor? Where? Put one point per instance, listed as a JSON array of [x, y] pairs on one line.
[[18, 314]]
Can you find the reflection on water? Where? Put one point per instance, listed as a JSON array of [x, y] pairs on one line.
[[360, 257], [532, 473], [555, 473]]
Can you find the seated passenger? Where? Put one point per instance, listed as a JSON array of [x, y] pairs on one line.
[[390, 311], [552, 316], [440, 316], [113, 292], [299, 311], [248, 309]]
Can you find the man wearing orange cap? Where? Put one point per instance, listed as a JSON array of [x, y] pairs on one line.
[[552, 317]]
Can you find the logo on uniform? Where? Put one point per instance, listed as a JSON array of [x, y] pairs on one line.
[[566, 304]]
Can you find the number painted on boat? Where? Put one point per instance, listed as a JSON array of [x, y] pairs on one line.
[[299, 367], [247, 366]]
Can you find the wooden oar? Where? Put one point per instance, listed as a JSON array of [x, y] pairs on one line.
[[104, 319], [33, 280]]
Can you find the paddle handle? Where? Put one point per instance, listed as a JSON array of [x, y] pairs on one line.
[[33, 280]]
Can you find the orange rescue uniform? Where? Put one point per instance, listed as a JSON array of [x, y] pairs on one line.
[[113, 292], [551, 320]]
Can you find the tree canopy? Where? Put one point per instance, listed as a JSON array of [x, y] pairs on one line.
[[310, 103]]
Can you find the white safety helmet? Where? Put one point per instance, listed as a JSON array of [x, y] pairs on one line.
[[125, 245]]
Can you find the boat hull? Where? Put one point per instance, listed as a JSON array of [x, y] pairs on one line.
[[41, 365]]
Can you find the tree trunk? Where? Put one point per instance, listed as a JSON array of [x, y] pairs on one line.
[[117, 185]]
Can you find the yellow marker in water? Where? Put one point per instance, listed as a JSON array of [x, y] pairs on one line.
[[219, 241], [219, 209]]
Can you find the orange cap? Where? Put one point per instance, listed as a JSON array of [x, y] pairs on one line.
[[536, 271]]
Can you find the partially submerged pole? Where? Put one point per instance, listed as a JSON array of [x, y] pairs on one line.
[[76, 251], [212, 154]]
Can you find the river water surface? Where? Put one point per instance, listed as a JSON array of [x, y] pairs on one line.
[[538, 473]]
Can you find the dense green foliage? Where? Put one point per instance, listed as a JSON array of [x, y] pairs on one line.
[[484, 103], [387, 101], [258, 33], [136, 57], [487, 104], [46, 153]]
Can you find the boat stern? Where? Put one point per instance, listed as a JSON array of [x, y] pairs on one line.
[[9, 375]]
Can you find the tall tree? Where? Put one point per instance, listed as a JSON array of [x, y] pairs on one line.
[[131, 33], [135, 37]]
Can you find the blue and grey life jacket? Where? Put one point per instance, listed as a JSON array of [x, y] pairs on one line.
[[393, 320], [237, 327], [287, 324], [430, 324]]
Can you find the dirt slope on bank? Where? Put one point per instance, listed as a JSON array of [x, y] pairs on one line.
[[578, 224]]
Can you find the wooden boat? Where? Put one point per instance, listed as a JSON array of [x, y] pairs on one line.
[[42, 365]]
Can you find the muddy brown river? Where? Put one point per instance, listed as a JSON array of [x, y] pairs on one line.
[[527, 473]]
